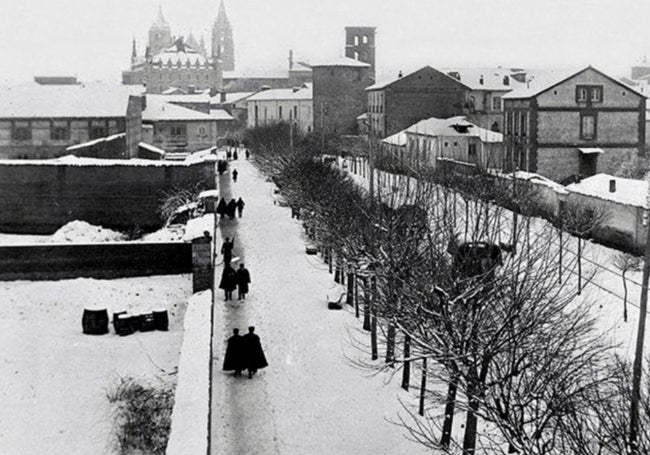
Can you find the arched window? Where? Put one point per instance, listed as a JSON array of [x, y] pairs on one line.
[[356, 40], [356, 55], [365, 39]]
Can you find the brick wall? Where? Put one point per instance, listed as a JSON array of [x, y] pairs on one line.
[[39, 199]]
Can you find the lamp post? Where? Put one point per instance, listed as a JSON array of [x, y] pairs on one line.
[[638, 356]]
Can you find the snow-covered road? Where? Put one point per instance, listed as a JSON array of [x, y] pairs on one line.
[[312, 399]]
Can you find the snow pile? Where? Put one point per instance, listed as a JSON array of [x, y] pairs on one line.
[[192, 398], [197, 226], [172, 233], [82, 232]]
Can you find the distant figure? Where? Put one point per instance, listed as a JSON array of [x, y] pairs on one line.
[[243, 278], [234, 358], [232, 208], [222, 207], [226, 250], [228, 281], [234, 155], [229, 154], [253, 352], [234, 174], [248, 154], [222, 166], [240, 206]]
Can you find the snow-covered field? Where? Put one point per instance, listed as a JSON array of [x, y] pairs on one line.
[[55, 379]]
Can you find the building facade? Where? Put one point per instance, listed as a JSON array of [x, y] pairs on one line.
[[339, 95], [581, 124], [43, 121], [360, 45], [401, 102], [223, 45], [282, 105]]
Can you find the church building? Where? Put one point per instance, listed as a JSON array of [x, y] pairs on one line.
[[181, 64]]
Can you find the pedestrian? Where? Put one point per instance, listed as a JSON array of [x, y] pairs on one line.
[[253, 352], [240, 206], [229, 154], [226, 250], [222, 207], [234, 358], [228, 281], [248, 153], [243, 278], [232, 208], [234, 175], [234, 155]]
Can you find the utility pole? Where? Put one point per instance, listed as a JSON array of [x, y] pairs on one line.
[[638, 356], [322, 128], [291, 135]]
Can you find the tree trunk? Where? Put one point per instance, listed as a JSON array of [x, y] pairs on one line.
[[390, 342], [423, 386], [579, 266], [366, 303], [373, 333], [355, 289], [406, 372], [624, 298], [329, 259], [450, 407], [469, 442]]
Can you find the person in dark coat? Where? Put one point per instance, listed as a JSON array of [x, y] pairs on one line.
[[248, 154], [228, 281], [234, 175], [226, 250], [222, 207], [243, 278], [240, 206], [232, 208], [234, 155], [253, 352], [229, 154], [234, 358]]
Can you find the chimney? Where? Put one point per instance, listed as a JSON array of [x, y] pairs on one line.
[[399, 75], [295, 89], [222, 97], [213, 91], [191, 89], [481, 80], [506, 80], [143, 99], [612, 186], [290, 59]]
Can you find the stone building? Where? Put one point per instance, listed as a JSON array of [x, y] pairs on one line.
[[582, 123], [282, 105], [223, 45], [339, 95], [360, 45], [41, 121], [398, 103]]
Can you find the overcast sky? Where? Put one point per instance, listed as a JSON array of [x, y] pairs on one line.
[[92, 38]]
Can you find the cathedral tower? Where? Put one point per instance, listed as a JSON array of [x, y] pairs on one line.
[[160, 34], [223, 46], [360, 45]]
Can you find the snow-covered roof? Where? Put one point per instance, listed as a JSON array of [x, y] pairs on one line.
[[363, 116], [182, 98], [453, 126], [66, 101], [341, 61], [71, 160], [151, 148], [398, 139], [539, 179], [209, 193], [230, 97], [493, 78], [95, 142], [269, 74], [160, 110], [280, 94], [173, 55], [628, 191], [221, 114]]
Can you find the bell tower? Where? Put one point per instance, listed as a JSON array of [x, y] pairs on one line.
[[160, 34], [360, 45], [223, 46]]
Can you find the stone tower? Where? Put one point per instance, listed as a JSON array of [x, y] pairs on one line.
[[223, 46], [160, 34], [360, 45]]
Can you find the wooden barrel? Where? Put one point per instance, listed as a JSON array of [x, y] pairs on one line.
[[161, 319], [147, 322], [94, 321], [115, 315], [123, 326]]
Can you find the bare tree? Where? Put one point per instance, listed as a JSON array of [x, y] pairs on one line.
[[627, 263]]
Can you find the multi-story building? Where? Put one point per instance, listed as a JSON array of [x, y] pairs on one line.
[[178, 129], [41, 121], [399, 103], [282, 105], [581, 124], [360, 45]]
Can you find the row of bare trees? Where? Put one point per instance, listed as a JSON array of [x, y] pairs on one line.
[[508, 346]]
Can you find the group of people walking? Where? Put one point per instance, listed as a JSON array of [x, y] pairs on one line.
[[244, 353], [232, 279], [229, 208]]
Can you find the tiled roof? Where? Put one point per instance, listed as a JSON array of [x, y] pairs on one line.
[[66, 101]]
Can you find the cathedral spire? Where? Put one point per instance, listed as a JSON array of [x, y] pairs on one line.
[[134, 52], [160, 20], [223, 47]]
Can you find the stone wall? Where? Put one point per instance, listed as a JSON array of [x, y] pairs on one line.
[[38, 197]]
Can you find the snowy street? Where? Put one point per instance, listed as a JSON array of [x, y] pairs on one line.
[[311, 399]]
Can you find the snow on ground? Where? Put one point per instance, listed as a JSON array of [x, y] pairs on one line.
[[21, 239], [55, 379], [172, 233], [312, 399]]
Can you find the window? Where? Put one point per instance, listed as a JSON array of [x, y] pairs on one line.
[[59, 131], [496, 103], [596, 94], [21, 132], [455, 144], [581, 95], [202, 130], [279, 111], [295, 112], [471, 152], [589, 93], [178, 130], [356, 55], [588, 127], [98, 131], [365, 39], [356, 40]]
